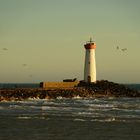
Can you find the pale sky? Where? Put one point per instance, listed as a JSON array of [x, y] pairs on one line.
[[43, 40]]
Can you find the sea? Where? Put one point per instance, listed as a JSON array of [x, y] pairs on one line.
[[70, 119]]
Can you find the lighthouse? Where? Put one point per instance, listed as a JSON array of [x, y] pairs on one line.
[[90, 63]]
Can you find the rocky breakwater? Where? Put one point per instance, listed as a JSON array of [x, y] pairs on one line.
[[107, 88], [98, 89]]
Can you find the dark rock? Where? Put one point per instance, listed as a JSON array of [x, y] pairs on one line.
[[102, 88]]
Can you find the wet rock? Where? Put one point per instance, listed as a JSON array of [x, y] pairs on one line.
[[102, 88]]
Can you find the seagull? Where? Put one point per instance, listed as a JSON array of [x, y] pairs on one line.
[[4, 49], [117, 47], [24, 65], [124, 49]]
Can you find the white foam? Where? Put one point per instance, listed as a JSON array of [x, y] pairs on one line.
[[77, 97], [2, 108], [81, 120], [24, 117], [59, 97]]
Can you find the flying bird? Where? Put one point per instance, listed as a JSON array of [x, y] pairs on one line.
[[117, 47], [24, 65], [4, 49], [124, 49]]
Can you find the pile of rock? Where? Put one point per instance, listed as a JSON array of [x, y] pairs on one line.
[[99, 89], [111, 89]]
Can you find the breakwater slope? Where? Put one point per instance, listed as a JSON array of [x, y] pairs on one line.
[[98, 89]]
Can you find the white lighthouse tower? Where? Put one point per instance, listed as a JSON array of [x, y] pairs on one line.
[[90, 63]]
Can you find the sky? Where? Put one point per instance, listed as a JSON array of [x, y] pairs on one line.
[[43, 40]]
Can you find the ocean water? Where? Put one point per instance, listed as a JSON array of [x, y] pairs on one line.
[[71, 119]]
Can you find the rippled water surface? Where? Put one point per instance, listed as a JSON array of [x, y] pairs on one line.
[[72, 119]]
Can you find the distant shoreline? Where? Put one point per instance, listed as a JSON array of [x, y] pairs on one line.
[[100, 89]]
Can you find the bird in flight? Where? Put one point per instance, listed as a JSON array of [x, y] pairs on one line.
[[4, 49], [117, 47], [24, 65], [124, 49]]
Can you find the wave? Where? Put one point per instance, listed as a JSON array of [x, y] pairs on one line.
[[102, 109]]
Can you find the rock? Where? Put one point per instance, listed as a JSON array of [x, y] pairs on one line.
[[102, 88]]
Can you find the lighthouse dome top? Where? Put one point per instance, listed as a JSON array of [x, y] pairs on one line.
[[90, 44]]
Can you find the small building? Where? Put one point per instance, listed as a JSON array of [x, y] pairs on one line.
[[53, 85]]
